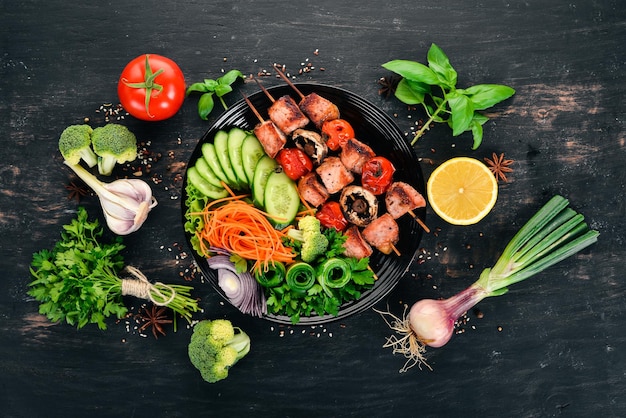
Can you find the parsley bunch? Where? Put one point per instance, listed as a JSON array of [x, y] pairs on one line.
[[433, 86], [78, 280]]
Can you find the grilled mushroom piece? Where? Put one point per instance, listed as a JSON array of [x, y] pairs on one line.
[[359, 205], [311, 143]]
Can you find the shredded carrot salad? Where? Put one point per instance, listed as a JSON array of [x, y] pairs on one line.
[[238, 226]]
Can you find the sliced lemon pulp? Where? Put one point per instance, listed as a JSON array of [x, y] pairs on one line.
[[462, 190]]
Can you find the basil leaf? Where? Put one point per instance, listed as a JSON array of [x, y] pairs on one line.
[[407, 95], [230, 77], [477, 133], [486, 95], [462, 110], [205, 105], [222, 89], [413, 71], [210, 84], [419, 87], [480, 118], [197, 87], [438, 61]]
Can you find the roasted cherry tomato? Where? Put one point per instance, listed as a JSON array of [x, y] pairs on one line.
[[151, 87], [330, 215], [377, 175], [336, 133], [295, 162]]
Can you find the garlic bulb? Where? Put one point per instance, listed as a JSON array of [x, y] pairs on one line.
[[125, 202]]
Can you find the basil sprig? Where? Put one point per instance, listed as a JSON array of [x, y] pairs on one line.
[[218, 87], [434, 87]]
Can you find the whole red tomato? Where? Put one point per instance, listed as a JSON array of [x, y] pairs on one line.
[[295, 162], [336, 133], [330, 215], [377, 175], [151, 87]]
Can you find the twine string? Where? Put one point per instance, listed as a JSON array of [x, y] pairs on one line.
[[140, 287]]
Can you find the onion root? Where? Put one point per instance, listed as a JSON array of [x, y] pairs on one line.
[[408, 344]]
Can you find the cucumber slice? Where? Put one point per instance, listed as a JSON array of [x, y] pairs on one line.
[[262, 171], [220, 141], [205, 171], [204, 186], [210, 155], [282, 200], [251, 153], [236, 137]]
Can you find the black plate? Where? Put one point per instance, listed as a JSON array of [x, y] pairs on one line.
[[380, 132]]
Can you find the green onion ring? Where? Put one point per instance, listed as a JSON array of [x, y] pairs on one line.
[[300, 277], [333, 273], [273, 277]]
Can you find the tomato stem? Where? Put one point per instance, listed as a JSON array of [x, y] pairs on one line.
[[149, 83]]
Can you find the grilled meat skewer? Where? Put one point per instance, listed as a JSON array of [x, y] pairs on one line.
[[355, 246], [317, 108], [312, 190], [284, 112], [335, 176], [401, 198], [354, 154], [271, 138], [383, 233]]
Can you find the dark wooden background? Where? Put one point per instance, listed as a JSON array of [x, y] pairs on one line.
[[554, 346]]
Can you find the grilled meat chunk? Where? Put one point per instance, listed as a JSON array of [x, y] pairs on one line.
[[355, 245], [318, 109], [354, 154], [312, 190], [286, 114], [311, 143], [335, 176], [272, 138], [383, 233], [359, 205], [401, 198]]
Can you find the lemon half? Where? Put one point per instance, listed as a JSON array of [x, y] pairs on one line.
[[462, 190]]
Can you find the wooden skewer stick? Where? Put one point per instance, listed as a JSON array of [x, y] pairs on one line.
[[395, 250], [373, 272], [419, 221], [267, 93], [258, 115], [288, 81]]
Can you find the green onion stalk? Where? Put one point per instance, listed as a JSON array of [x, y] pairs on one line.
[[554, 233]]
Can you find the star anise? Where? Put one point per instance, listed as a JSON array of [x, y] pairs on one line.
[[388, 85], [499, 166], [155, 318], [76, 191]]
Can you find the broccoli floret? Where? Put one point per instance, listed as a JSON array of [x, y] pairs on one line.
[[113, 143], [309, 224], [309, 232], [75, 144], [215, 347], [313, 246]]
